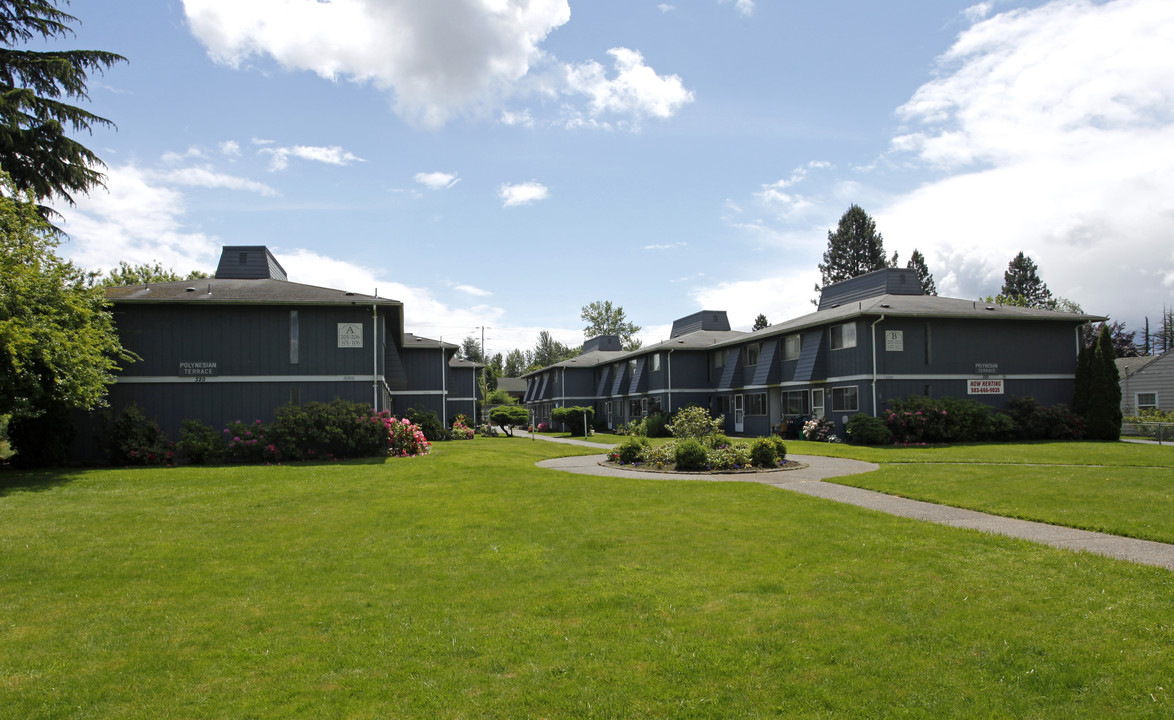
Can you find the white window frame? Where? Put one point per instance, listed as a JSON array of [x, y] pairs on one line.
[[845, 338], [856, 394], [792, 346], [1137, 403], [654, 362]]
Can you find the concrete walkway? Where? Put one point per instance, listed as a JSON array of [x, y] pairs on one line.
[[807, 480]]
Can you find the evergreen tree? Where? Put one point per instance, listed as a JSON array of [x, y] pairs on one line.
[[516, 362], [855, 248], [760, 322], [1102, 420], [1021, 280], [471, 349], [549, 351], [917, 265], [1084, 372], [35, 114]]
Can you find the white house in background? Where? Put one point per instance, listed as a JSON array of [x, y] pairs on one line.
[[1146, 382]]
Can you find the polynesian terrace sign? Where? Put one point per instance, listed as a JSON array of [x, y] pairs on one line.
[[988, 384]]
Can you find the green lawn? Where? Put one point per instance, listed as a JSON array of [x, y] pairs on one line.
[[471, 584], [1119, 488]]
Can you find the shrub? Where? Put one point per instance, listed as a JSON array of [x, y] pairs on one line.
[[763, 453], [406, 439], [818, 430], [461, 429], [198, 443], [1153, 415], [694, 422], [656, 425], [428, 422], [631, 450], [718, 440], [1036, 422], [499, 397], [543, 427], [137, 440], [1003, 427], [734, 456], [629, 428], [919, 419], [573, 418], [868, 430], [339, 429], [690, 454], [248, 443], [658, 457], [508, 417], [42, 441], [780, 446]]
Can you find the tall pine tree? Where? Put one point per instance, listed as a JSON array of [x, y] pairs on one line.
[[917, 265], [1102, 419], [1022, 284], [855, 248]]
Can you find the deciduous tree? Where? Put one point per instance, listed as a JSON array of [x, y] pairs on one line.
[[605, 319], [127, 274]]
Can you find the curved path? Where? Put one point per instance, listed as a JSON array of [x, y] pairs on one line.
[[807, 480]]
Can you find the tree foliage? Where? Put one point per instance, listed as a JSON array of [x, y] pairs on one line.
[[58, 345], [127, 274], [516, 362], [760, 322], [603, 318], [1021, 281], [36, 88], [508, 417], [854, 249], [917, 264], [549, 351], [1102, 419]]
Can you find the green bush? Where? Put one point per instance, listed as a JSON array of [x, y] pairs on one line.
[[659, 457], [656, 425], [573, 418], [199, 444], [690, 454], [1153, 415], [42, 441], [718, 440], [137, 440], [763, 453], [1036, 422], [499, 397], [868, 430], [249, 443], [780, 446], [631, 450], [428, 422], [734, 456], [694, 422]]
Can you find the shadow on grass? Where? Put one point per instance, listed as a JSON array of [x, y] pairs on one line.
[[13, 480]]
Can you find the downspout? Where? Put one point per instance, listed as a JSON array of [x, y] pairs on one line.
[[375, 355], [669, 361], [872, 333], [443, 385]]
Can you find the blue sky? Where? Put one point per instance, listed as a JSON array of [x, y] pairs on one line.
[[505, 162]]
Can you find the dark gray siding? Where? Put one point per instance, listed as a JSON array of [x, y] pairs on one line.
[[890, 281]]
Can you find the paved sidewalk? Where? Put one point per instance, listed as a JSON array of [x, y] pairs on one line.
[[807, 480]]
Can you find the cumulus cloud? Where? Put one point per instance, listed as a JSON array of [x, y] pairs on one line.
[[437, 180], [1056, 128], [441, 57], [636, 90], [746, 7], [332, 155], [472, 290], [522, 193]]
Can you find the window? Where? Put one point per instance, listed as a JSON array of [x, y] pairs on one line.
[[791, 347], [722, 406], [845, 399], [638, 408], [756, 404], [655, 362], [717, 361], [752, 351], [293, 337], [631, 368], [295, 396], [795, 402], [843, 336], [1147, 401]]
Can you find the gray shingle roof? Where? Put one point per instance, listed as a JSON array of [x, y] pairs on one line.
[[211, 291]]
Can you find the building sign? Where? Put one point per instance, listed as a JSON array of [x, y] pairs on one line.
[[198, 369], [984, 387], [895, 340], [986, 368], [350, 335]]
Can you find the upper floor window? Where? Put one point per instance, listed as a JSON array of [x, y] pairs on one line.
[[655, 362], [631, 367], [843, 336], [752, 351], [791, 347]]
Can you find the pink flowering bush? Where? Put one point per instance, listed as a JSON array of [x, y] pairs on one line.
[[461, 429], [249, 442], [543, 427], [405, 439]]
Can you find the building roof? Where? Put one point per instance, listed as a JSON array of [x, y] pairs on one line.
[[511, 385], [212, 291], [1133, 365], [418, 341]]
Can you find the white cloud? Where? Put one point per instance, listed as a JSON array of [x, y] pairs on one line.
[[780, 298], [522, 193], [978, 12], [332, 155], [437, 180], [473, 290], [1057, 125], [174, 157], [206, 177], [442, 57], [746, 7], [636, 90], [666, 246], [521, 118], [231, 148], [665, 7]]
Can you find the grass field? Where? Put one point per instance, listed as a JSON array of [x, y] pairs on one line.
[[1119, 488], [471, 584]]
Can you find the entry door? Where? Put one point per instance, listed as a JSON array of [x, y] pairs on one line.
[[817, 403], [738, 414]]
